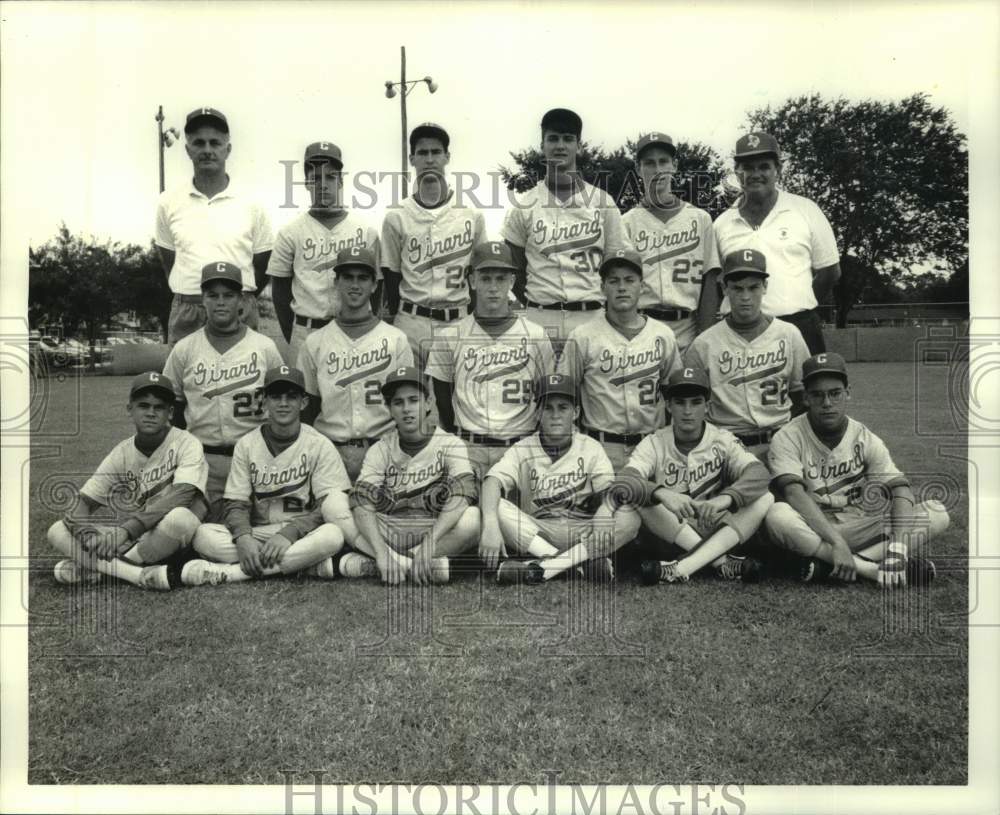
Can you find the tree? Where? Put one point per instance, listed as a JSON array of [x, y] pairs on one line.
[[698, 172], [892, 178], [146, 290]]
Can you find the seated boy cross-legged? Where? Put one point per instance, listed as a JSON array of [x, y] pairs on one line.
[[285, 503], [414, 499]]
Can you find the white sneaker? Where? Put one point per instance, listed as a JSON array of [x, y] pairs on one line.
[[324, 569], [154, 577], [440, 570], [69, 572], [355, 565], [203, 573]]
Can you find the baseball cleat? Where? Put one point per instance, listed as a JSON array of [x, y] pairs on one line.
[[747, 569], [69, 572], [354, 565], [154, 577], [324, 569], [813, 570], [519, 571], [599, 570], [660, 571], [920, 572], [203, 573]]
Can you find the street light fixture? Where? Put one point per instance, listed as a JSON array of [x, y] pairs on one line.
[[404, 90], [166, 138]]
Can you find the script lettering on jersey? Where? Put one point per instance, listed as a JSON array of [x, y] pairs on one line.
[[204, 375], [826, 472], [426, 249], [675, 474], [730, 363], [486, 357], [399, 479], [543, 232], [348, 361], [312, 249], [139, 484], [541, 483], [272, 476], [626, 360], [647, 242]]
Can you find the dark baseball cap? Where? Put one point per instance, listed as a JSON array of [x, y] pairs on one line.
[[493, 255], [429, 130], [206, 116], [757, 144], [355, 256], [221, 270], [655, 140], [556, 385], [284, 374], [685, 379], [744, 261], [826, 363], [152, 381], [407, 375], [324, 151], [563, 120], [621, 257]]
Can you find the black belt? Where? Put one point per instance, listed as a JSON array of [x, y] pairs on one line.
[[630, 439], [750, 439], [669, 314], [445, 315], [586, 305], [488, 441], [218, 450], [358, 442], [310, 322]]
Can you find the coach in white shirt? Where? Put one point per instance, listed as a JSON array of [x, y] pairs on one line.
[[791, 232], [206, 221]]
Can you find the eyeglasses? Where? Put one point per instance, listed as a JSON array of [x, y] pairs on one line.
[[835, 396]]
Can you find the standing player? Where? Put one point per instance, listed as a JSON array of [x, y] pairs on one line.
[[621, 359], [789, 230], [413, 502], [559, 232], [676, 243], [144, 502], [208, 220], [427, 245], [217, 373], [301, 266], [346, 362], [485, 367], [827, 466], [754, 362], [286, 482]]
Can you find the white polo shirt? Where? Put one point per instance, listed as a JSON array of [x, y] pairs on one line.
[[795, 238], [201, 230]]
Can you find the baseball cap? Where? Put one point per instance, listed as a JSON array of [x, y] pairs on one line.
[[743, 261], [556, 385], [407, 375], [285, 374], [221, 270], [152, 381], [657, 139], [688, 379], [757, 144], [625, 257], [493, 255], [355, 256], [825, 363], [563, 120], [429, 130], [206, 116], [324, 151]]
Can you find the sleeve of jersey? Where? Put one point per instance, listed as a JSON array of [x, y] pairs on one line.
[[376, 246], [602, 471], [823, 242], [329, 474], [479, 231], [671, 360], [174, 496], [514, 227], [748, 476], [629, 488], [615, 237], [163, 236], [99, 486], [283, 255], [711, 247], [236, 517], [784, 459], [192, 468], [369, 489], [392, 241], [506, 469], [173, 369], [800, 353], [463, 479], [302, 525], [272, 356], [263, 237], [439, 359], [879, 465], [238, 483]]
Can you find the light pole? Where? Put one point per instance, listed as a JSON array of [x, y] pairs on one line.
[[166, 138], [404, 90]]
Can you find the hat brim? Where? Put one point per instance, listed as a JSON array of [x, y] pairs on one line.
[[670, 148], [389, 388], [167, 393], [571, 397], [825, 372], [612, 262], [755, 153], [219, 278], [494, 266], [686, 387], [355, 264], [274, 383], [322, 158], [743, 271], [206, 119]]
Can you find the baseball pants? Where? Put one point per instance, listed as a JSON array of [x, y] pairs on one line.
[[421, 332], [558, 324], [518, 528], [482, 457], [187, 315], [403, 532], [353, 456], [684, 331], [218, 473], [810, 326], [665, 524], [214, 542]]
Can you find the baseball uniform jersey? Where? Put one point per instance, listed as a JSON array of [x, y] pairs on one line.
[[396, 483], [223, 393], [306, 251], [836, 479], [347, 374], [432, 249], [286, 486], [563, 488], [620, 378], [127, 479], [750, 379], [674, 254], [493, 378], [564, 242]]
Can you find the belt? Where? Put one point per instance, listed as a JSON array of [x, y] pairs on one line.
[[219, 450], [750, 439], [310, 322], [488, 441], [669, 314], [629, 439], [361, 441], [445, 315], [586, 305]]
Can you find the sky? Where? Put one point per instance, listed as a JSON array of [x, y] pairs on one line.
[[81, 83]]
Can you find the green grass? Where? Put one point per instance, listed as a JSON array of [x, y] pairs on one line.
[[770, 684]]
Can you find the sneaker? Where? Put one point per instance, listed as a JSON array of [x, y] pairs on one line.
[[660, 571], [155, 577], [353, 565], [69, 572], [599, 570], [324, 569], [203, 573], [520, 571], [813, 570], [747, 569], [920, 572]]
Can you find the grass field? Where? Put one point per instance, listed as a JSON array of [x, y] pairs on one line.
[[776, 683]]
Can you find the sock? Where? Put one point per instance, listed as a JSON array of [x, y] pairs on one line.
[[712, 550], [687, 538], [539, 547], [575, 555], [133, 555], [116, 568]]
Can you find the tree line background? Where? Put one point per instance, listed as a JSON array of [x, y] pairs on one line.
[[892, 178]]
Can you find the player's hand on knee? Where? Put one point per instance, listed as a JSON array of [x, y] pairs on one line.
[[491, 547], [712, 511], [112, 542], [248, 550], [421, 571], [392, 569], [273, 551], [681, 505], [843, 562], [892, 570]]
